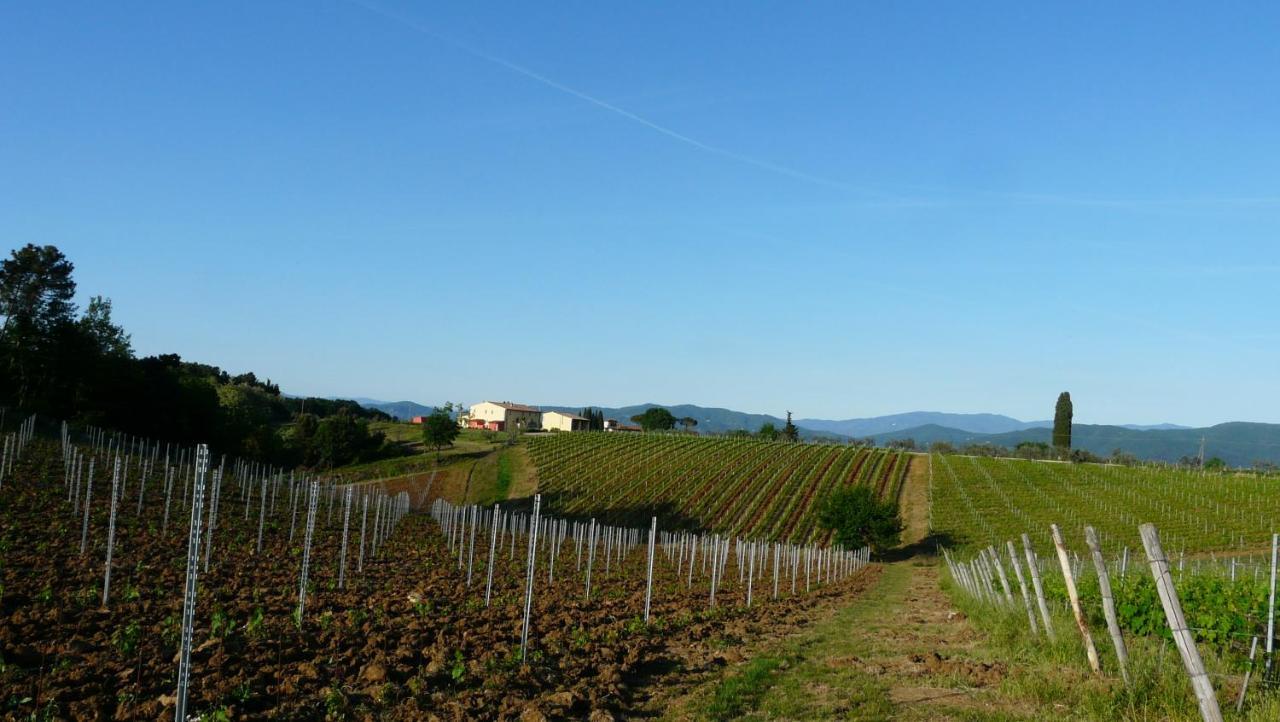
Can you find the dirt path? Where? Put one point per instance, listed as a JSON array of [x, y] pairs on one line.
[[914, 500], [901, 651]]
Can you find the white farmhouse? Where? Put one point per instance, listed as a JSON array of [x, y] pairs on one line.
[[562, 421], [504, 415]]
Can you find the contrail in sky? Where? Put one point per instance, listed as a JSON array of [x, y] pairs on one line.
[[604, 104], [879, 196]]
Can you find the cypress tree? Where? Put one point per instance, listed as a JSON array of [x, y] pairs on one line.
[[1062, 421]]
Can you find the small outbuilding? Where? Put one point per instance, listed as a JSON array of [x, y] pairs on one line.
[[563, 421]]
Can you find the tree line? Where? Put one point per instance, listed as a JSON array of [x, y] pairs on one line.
[[80, 366]]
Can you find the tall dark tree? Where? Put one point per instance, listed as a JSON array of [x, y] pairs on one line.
[[36, 289], [1062, 421], [790, 432]]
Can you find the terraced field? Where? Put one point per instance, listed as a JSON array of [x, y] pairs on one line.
[[744, 487], [979, 501]]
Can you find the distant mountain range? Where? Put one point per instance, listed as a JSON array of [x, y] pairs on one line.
[[1237, 443], [976, 423], [403, 410]]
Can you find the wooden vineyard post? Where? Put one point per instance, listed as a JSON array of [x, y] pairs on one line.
[[1022, 583], [1034, 568], [1004, 581], [1065, 562], [1253, 652], [1182, 637], [1108, 602]]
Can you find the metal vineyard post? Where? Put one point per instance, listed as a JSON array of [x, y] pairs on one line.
[[648, 591], [111, 531], [528, 589], [189, 594], [346, 523], [306, 548], [88, 496], [493, 545]]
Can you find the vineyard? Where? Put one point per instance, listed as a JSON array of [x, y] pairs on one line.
[[977, 501], [1132, 558], [139, 580], [744, 487]]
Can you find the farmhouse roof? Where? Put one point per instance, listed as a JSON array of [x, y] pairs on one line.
[[513, 407]]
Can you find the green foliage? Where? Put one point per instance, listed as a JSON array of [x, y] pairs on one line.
[[126, 638], [439, 430], [767, 432], [655, 419], [1062, 413], [221, 626], [858, 518]]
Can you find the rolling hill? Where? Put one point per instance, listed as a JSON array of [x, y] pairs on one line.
[[1238, 443]]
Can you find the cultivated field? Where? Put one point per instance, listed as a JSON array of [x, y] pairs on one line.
[[745, 487], [977, 501], [322, 601]]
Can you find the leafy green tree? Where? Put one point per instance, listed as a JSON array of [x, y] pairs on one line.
[[102, 332], [789, 431], [439, 430], [858, 518], [768, 431], [36, 291], [655, 419], [1062, 421], [688, 423], [1215, 464]]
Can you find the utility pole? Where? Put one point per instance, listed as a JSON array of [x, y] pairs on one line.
[[1202, 453]]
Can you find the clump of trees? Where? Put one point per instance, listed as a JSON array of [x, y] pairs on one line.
[[655, 419], [857, 518], [59, 362], [594, 417]]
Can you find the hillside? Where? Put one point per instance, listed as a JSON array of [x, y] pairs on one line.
[[731, 485], [974, 423], [1238, 443], [710, 420]]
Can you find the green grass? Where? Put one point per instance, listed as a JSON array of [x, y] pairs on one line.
[[743, 690]]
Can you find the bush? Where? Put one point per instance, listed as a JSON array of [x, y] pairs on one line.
[[859, 519]]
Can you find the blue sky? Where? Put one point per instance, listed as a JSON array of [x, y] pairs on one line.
[[843, 209]]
